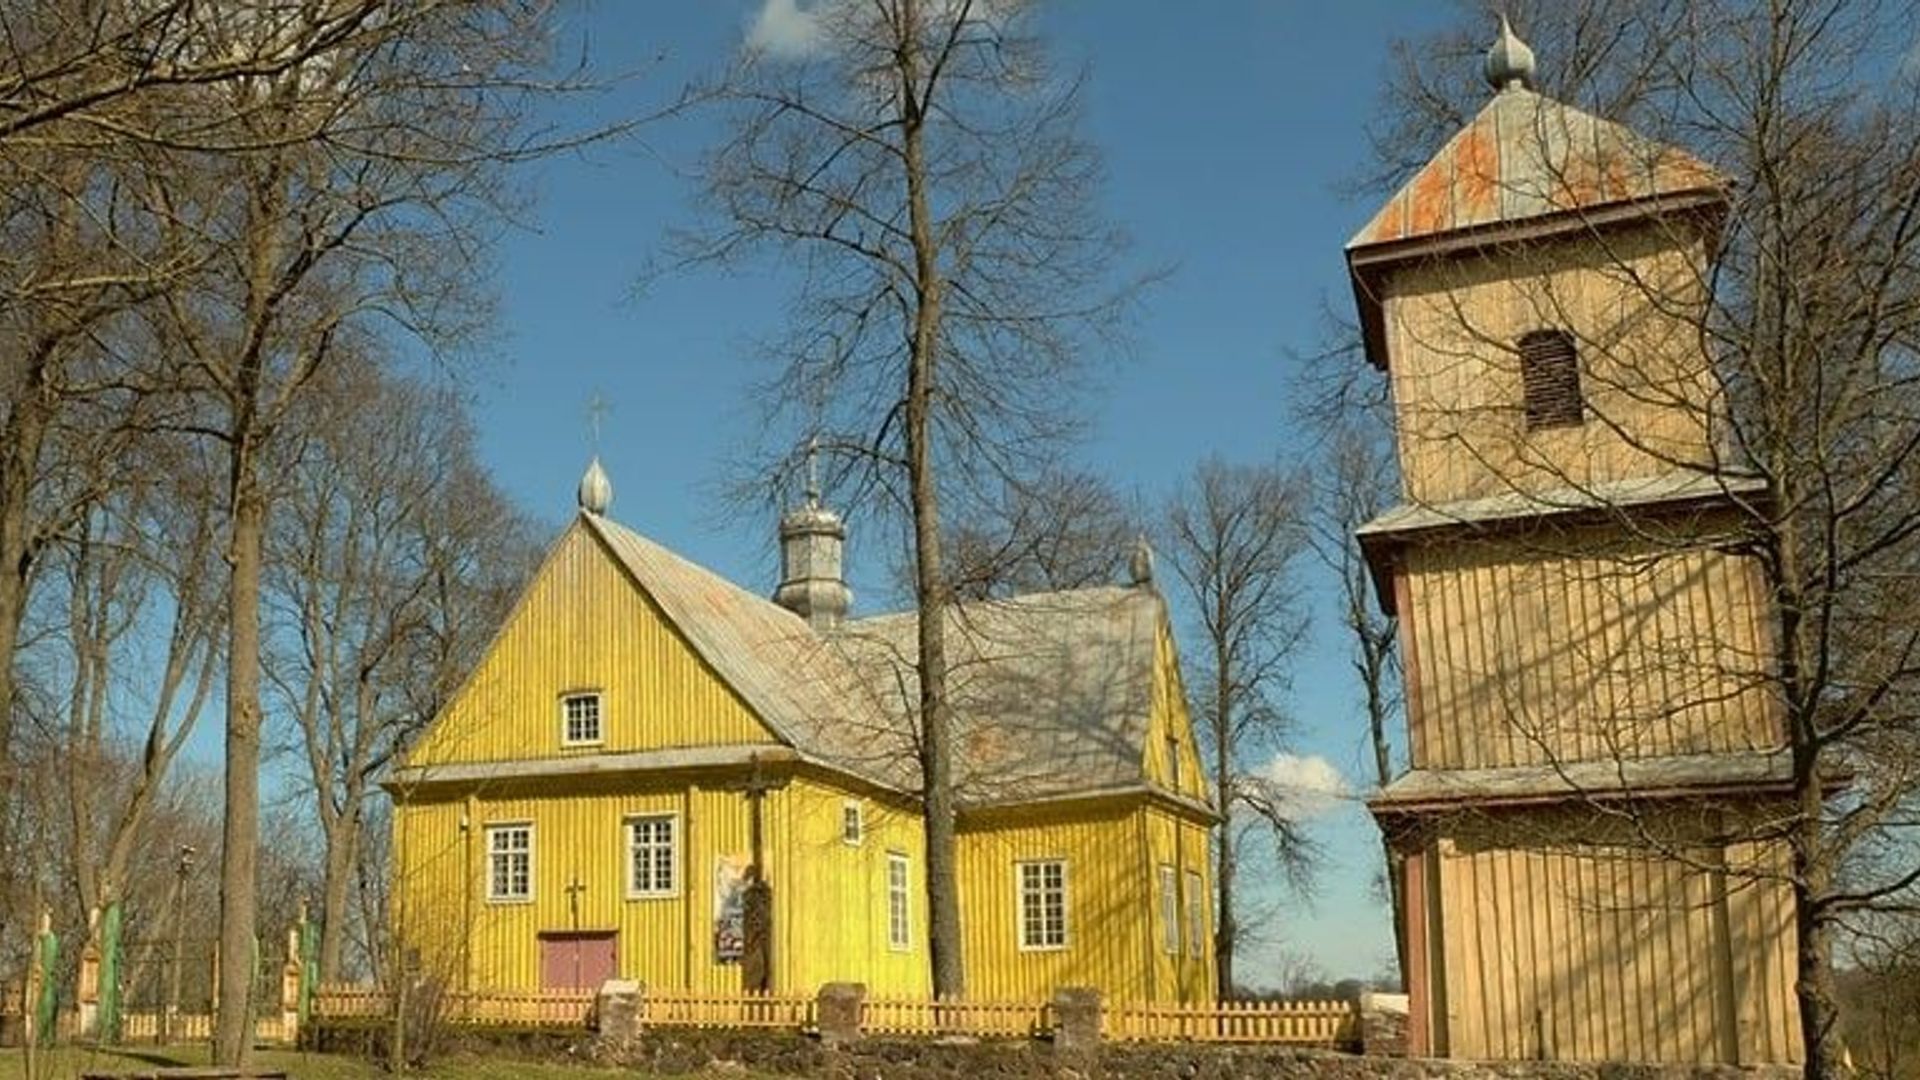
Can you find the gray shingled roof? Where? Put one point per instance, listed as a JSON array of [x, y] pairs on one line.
[[1528, 156], [1697, 773], [1051, 692], [1678, 485], [797, 684]]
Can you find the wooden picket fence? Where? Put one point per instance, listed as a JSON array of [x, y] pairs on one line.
[[681, 1008], [1298, 1023], [144, 1026], [982, 1019]]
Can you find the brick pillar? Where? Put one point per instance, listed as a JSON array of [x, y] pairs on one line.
[[87, 996], [290, 979], [1076, 1018], [838, 1011]]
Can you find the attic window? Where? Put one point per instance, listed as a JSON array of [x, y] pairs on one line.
[[853, 828], [1550, 380], [580, 720]]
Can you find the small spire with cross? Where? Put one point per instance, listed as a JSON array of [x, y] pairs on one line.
[[813, 471], [597, 409], [595, 493]]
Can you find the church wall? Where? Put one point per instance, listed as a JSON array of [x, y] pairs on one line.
[[578, 835], [1112, 850], [1181, 844], [581, 625], [1167, 712], [1452, 329], [1582, 645], [831, 897], [1609, 953]]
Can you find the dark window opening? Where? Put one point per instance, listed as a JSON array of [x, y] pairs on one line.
[[1550, 380]]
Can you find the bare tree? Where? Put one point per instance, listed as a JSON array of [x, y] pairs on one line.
[[138, 566], [917, 161], [1063, 529], [1357, 486], [390, 556], [367, 181], [1805, 312], [1234, 535]]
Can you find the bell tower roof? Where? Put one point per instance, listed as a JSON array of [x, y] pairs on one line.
[[1526, 166]]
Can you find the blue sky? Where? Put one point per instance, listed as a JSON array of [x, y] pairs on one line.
[[1226, 130]]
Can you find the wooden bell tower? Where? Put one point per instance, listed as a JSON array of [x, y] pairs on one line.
[[1594, 754]]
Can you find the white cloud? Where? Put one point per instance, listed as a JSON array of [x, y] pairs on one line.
[[1302, 787], [785, 30]]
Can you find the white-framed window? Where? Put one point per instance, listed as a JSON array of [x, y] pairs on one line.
[[580, 719], [1196, 913], [1169, 910], [510, 863], [652, 866], [899, 929], [1043, 903], [853, 826]]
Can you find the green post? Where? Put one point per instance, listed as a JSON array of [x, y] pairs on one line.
[[107, 1027], [47, 1008]]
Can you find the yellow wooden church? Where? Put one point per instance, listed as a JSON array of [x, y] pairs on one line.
[[644, 741]]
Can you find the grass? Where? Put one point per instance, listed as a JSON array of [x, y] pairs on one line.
[[69, 1063]]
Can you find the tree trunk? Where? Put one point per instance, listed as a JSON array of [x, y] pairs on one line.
[[240, 836], [1814, 988], [930, 591], [1396, 870], [343, 849], [25, 434], [1226, 929]]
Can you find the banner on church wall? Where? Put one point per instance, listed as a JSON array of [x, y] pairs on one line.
[[729, 908]]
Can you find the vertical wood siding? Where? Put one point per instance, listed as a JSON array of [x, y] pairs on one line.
[[829, 897], [1453, 330], [1612, 954], [1168, 716], [582, 624], [833, 907], [1582, 646], [1113, 921]]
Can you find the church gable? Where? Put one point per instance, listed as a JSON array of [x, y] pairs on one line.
[[586, 663], [1172, 751]]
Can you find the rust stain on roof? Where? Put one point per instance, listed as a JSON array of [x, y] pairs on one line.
[[1527, 156], [1479, 170]]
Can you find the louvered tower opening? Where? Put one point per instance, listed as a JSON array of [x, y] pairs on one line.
[[1550, 380]]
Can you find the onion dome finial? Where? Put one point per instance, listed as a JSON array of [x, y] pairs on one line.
[[596, 491], [1509, 61]]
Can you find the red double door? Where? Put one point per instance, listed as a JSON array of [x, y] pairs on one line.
[[578, 960]]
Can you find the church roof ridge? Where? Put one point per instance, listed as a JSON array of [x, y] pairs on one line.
[[1051, 690]]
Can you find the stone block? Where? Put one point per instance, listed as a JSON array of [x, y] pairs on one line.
[[838, 1011], [1383, 1024], [617, 1013], [1076, 1018]]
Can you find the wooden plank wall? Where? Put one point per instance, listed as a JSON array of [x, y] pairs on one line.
[[1453, 328], [1612, 954], [582, 625], [1582, 645]]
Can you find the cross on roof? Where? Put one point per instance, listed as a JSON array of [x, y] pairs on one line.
[[597, 409]]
